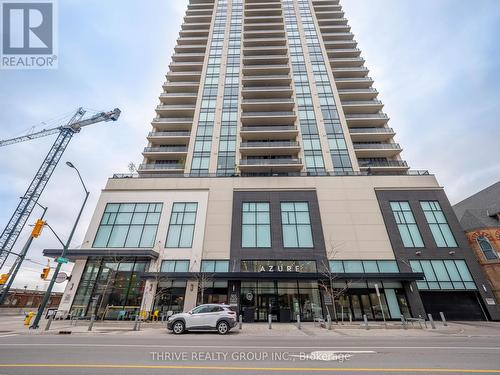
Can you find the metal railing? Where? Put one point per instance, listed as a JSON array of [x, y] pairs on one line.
[[168, 94], [387, 163], [270, 100], [367, 90], [349, 79], [266, 88], [260, 174]]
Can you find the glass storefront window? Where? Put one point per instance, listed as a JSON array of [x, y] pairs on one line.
[[302, 266], [443, 274], [115, 285]]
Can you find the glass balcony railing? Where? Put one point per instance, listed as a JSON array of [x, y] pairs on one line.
[[269, 144], [166, 149], [269, 161], [378, 146], [268, 128], [382, 163], [169, 134], [149, 166], [370, 130]]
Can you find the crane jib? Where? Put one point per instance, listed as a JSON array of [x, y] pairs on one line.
[[29, 200]]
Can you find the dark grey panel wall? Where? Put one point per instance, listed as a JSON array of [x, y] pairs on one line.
[[277, 251], [431, 251]]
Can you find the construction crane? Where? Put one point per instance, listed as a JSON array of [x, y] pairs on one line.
[[30, 198]]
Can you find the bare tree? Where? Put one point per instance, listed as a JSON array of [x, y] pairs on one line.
[[204, 280], [329, 279]]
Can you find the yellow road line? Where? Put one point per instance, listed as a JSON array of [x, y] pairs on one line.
[[236, 368]]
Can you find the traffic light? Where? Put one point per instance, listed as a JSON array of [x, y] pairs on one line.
[[45, 273], [3, 278], [37, 229]]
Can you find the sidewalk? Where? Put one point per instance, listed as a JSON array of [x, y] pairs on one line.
[[13, 325]]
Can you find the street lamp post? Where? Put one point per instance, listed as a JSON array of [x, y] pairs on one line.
[[63, 253]]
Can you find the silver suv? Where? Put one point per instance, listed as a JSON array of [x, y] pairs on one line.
[[202, 318]]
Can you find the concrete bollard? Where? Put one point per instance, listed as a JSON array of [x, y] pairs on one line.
[[241, 322], [329, 322], [403, 322], [365, 318], [136, 324], [91, 324], [443, 319], [49, 322], [432, 321], [298, 322], [270, 321], [350, 318]]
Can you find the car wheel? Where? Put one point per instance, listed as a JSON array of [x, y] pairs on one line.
[[178, 327], [222, 327]]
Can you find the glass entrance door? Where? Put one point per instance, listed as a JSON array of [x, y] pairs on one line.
[[267, 304]]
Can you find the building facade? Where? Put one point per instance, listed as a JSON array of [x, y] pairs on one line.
[[270, 178], [479, 216]]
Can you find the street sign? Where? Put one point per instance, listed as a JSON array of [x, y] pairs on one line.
[[61, 277], [62, 260]]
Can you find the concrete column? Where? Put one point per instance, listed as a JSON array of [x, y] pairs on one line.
[[191, 295], [414, 300]]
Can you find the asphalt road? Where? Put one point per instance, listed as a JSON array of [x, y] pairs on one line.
[[209, 353]]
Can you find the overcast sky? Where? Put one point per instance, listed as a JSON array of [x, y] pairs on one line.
[[436, 64]]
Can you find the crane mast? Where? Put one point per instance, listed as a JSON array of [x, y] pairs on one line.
[[30, 198]]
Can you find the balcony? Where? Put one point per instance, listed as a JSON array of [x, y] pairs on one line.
[[277, 69], [343, 44], [270, 92], [347, 62], [264, 19], [264, 50], [158, 168], [271, 165], [172, 123], [184, 76], [267, 79], [175, 110], [190, 48], [354, 83], [264, 34], [376, 150], [384, 166], [362, 106], [350, 72], [367, 120], [269, 132], [256, 12], [165, 152], [256, 42], [178, 97], [267, 104], [173, 137], [186, 40], [188, 66], [269, 148], [371, 134], [268, 118], [358, 94], [188, 57], [337, 36], [344, 52], [264, 60], [264, 26], [181, 86]]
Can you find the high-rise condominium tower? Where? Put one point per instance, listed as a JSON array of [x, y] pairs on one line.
[[270, 171]]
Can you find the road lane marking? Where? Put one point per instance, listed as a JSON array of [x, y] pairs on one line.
[[245, 347], [10, 335], [259, 369]]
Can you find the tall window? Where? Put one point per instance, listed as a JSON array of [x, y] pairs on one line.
[[486, 248], [443, 274], [214, 266], [407, 226], [296, 224], [181, 227], [128, 225], [255, 225], [439, 226]]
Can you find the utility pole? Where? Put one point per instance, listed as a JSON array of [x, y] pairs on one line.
[[60, 259], [17, 265]]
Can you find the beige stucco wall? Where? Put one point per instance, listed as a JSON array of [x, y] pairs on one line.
[[350, 215]]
